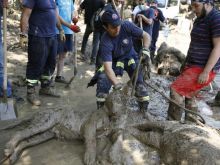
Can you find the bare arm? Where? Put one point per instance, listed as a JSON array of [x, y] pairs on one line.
[[25, 15], [214, 57], [146, 40], [110, 73], [58, 20], [149, 21], [64, 22]]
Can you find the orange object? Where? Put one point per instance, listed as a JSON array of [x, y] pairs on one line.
[[186, 84]]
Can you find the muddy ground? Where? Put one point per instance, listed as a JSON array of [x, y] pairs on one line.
[[78, 97]]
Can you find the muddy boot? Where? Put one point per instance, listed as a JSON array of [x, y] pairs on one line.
[[100, 100], [48, 91], [217, 99], [152, 54], [190, 103], [100, 104], [144, 109], [32, 96], [174, 111]]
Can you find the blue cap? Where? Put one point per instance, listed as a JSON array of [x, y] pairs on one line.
[[152, 1], [111, 17], [204, 1]]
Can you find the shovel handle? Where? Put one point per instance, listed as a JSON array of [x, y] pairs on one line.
[[5, 53], [75, 62], [136, 72]]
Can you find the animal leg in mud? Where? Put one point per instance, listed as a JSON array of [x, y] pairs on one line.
[[175, 112], [148, 137], [97, 119], [190, 103], [35, 129], [103, 147], [127, 149], [37, 139]]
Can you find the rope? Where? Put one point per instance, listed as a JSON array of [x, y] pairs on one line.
[[174, 102]]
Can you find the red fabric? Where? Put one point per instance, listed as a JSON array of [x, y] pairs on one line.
[[186, 84], [75, 28]]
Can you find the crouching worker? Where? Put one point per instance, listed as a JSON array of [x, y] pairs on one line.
[[118, 54], [203, 58]]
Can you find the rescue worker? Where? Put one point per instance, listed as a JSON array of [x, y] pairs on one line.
[[118, 54], [203, 58], [158, 17], [38, 22]]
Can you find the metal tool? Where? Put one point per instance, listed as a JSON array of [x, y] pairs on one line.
[[74, 62], [7, 110]]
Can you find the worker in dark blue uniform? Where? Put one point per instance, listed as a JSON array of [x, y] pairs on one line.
[[158, 17], [118, 54]]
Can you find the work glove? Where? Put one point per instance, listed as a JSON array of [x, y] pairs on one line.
[[118, 86], [23, 40], [146, 52], [75, 20], [146, 63], [62, 35], [75, 28]]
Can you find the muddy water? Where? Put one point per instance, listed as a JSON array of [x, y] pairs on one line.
[[56, 152]]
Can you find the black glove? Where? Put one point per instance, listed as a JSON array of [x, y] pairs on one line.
[[118, 86], [93, 81]]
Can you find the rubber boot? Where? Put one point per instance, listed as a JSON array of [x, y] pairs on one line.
[[174, 111], [217, 99], [48, 91], [144, 109], [100, 104], [32, 96], [100, 100], [152, 54], [190, 103]]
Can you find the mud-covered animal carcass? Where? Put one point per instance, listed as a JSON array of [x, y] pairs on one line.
[[169, 60], [118, 134]]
